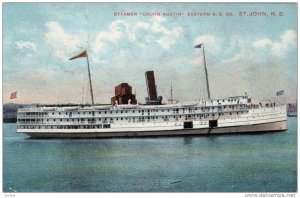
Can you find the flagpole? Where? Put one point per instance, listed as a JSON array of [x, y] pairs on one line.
[[91, 88], [206, 75]]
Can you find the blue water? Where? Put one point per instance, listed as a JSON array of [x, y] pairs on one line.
[[226, 163]]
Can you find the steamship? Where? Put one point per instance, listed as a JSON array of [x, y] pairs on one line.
[[124, 117]]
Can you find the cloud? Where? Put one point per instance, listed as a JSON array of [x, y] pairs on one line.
[[140, 33], [208, 40], [61, 43], [154, 31], [114, 34], [25, 45], [278, 48], [262, 43]]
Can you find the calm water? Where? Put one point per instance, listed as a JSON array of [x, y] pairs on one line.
[[227, 163]]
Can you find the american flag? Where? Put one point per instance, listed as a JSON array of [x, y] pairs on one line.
[[13, 95]]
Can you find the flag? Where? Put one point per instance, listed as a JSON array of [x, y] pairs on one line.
[[13, 95], [280, 93], [82, 54], [199, 46]]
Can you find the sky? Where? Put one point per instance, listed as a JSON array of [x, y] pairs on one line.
[[249, 48]]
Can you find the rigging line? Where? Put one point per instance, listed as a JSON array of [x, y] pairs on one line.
[[163, 92]]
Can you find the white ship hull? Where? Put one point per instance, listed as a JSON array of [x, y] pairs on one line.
[[256, 128]]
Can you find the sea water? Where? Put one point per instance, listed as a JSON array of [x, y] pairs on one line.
[[263, 162]]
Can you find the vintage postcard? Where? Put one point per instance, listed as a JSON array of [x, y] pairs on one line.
[[150, 97]]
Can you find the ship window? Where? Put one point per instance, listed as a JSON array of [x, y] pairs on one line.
[[121, 111], [54, 120], [121, 118], [125, 111], [83, 112], [237, 112], [230, 113], [89, 112], [47, 120], [67, 120], [59, 113]]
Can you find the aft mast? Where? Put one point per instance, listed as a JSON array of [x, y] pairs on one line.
[[84, 54], [205, 68]]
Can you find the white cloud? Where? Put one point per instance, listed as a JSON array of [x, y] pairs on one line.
[[25, 45], [278, 48], [63, 44], [139, 33], [114, 34], [262, 43]]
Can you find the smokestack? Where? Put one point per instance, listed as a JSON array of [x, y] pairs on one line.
[[151, 86]]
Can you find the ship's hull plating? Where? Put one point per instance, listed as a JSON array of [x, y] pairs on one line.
[[265, 127]]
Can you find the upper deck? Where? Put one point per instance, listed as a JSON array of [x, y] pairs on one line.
[[238, 100]]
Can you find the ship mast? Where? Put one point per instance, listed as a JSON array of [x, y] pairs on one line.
[[90, 80], [81, 55], [205, 68]]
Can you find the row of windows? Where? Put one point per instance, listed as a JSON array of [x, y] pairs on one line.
[[93, 120], [148, 111], [67, 127], [124, 111]]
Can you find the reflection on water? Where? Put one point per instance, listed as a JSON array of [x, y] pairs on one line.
[[187, 140], [225, 163]]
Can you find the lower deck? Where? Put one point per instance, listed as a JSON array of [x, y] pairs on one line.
[[264, 127]]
